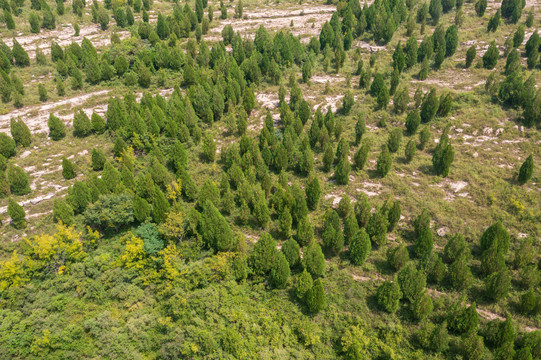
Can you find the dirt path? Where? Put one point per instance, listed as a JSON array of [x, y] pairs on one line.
[[63, 36], [36, 116], [307, 21]]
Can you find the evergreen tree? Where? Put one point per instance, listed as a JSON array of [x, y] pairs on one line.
[[17, 214], [497, 285], [512, 10], [526, 170], [280, 272], [480, 7], [422, 306], [399, 60], [388, 296], [68, 171], [209, 147], [20, 132], [333, 238], [305, 232], [460, 276], [291, 251], [216, 232], [160, 208], [8, 19], [377, 228], [111, 176], [304, 284], [57, 128], [490, 58], [435, 9], [413, 120], [398, 256], [384, 162], [141, 209], [79, 197], [98, 159], [313, 192], [412, 282], [20, 55], [470, 56], [359, 247], [451, 40], [314, 261], [33, 19], [495, 236], [81, 124], [424, 243], [361, 156], [62, 212], [393, 142], [443, 156], [18, 180], [263, 255], [341, 171], [316, 299], [494, 22], [430, 106]]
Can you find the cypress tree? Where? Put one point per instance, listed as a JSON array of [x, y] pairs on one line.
[[110, 176], [209, 147], [18, 180], [435, 9], [305, 232], [451, 40], [393, 142], [424, 243], [263, 255], [79, 197], [160, 207], [291, 251], [495, 236], [480, 7], [384, 162], [304, 284], [359, 247], [81, 124], [68, 171], [422, 306], [141, 209], [388, 296], [526, 170], [20, 132], [430, 106], [377, 228], [314, 261], [341, 171], [17, 214], [470, 55], [399, 60], [216, 232], [98, 159], [316, 299], [497, 285], [62, 212], [280, 271], [490, 58], [398, 256], [494, 22], [57, 128]]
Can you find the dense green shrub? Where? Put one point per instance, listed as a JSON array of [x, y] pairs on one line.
[[215, 229], [314, 261], [359, 247], [316, 299], [384, 162], [20, 132], [62, 212], [412, 282], [110, 212], [398, 256], [280, 272]]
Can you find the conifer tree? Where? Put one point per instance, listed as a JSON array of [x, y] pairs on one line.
[[430, 106], [81, 124], [497, 285], [209, 147], [333, 238], [111, 176], [304, 284], [435, 9], [216, 232], [160, 207], [388, 296], [490, 58], [291, 250], [314, 261], [263, 255], [98, 159], [384, 162], [57, 129], [79, 197], [470, 55], [526, 170], [18, 180], [422, 306], [62, 212], [20, 132], [443, 156], [359, 247], [398, 256], [316, 299], [377, 228], [141, 209], [68, 170], [280, 271], [17, 214], [305, 232]]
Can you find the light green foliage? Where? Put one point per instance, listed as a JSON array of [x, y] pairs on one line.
[[359, 247]]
